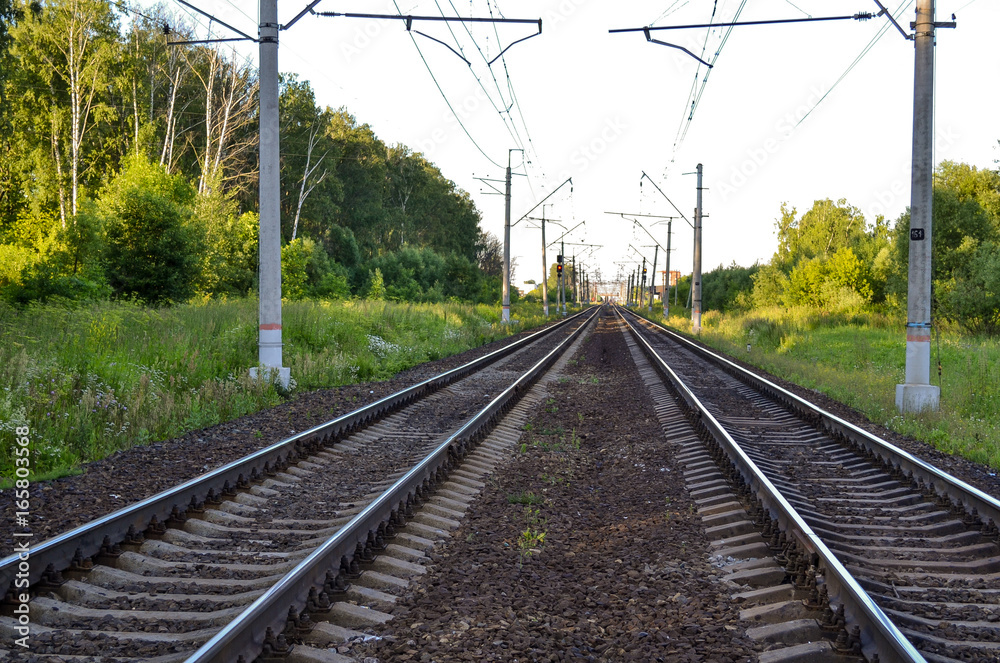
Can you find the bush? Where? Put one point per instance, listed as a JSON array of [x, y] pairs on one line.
[[229, 261], [14, 261], [59, 263], [307, 271], [151, 250], [972, 297]]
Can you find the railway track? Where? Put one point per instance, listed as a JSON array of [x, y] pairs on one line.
[[303, 541], [843, 537]]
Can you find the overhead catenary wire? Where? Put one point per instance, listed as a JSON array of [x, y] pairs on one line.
[[444, 96], [694, 98], [799, 8], [676, 6], [878, 35], [511, 127], [530, 145]]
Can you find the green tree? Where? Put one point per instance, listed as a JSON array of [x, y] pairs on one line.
[[66, 53], [769, 285], [971, 183], [152, 251], [229, 261], [377, 288], [972, 296], [361, 168], [727, 288], [311, 192], [820, 232], [955, 221]]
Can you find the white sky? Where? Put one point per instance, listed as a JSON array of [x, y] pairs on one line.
[[602, 108]]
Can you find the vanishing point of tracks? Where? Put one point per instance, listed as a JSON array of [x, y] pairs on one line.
[[237, 564], [890, 556]]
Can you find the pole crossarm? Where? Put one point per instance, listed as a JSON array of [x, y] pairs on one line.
[[686, 220], [860, 16], [883, 10], [647, 30], [410, 19], [652, 216], [627, 216], [638, 252], [559, 239], [568, 180], [243, 36], [650, 39], [189, 42], [488, 182]]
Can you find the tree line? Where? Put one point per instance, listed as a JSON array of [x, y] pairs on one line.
[[128, 168], [832, 258]]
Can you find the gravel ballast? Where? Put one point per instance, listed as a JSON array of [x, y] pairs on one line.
[[623, 572]]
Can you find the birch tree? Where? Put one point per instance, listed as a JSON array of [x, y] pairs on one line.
[[306, 175], [66, 45], [230, 96]]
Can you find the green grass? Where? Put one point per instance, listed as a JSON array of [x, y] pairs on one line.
[[859, 359], [95, 379], [525, 497]]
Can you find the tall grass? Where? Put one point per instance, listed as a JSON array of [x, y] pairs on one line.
[[859, 359], [94, 379]]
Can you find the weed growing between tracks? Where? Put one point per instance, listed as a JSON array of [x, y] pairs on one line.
[[93, 379], [858, 359]]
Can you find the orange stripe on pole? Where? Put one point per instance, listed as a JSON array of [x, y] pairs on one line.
[[270, 326]]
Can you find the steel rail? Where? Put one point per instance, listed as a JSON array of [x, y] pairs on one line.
[[86, 540], [878, 634], [974, 501], [244, 636]]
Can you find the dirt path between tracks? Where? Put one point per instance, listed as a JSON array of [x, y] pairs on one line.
[[584, 547]]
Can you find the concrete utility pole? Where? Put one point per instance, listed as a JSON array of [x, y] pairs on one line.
[[505, 316], [576, 288], [628, 293], [269, 339], [666, 278], [562, 277], [641, 295], [696, 277], [917, 393], [652, 278], [545, 270]]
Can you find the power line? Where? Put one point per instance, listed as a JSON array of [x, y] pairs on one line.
[[510, 86], [694, 98], [799, 8], [511, 128], [878, 35], [670, 10], [443, 95]]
